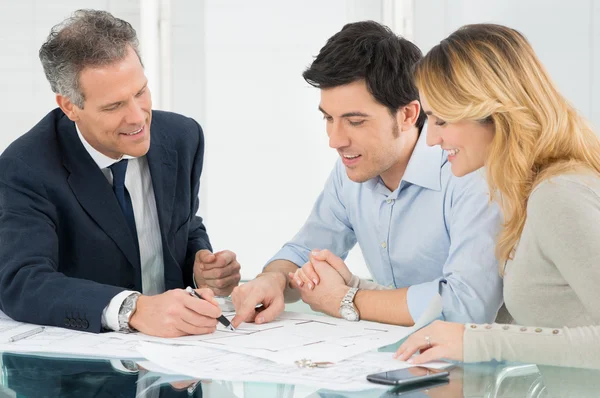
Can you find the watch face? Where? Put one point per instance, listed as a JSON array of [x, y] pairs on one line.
[[348, 313]]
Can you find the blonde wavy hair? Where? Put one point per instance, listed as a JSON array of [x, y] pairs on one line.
[[486, 71]]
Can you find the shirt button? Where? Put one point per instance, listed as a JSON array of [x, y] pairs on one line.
[[383, 244], [389, 201]]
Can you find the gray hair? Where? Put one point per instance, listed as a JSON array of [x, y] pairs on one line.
[[89, 38]]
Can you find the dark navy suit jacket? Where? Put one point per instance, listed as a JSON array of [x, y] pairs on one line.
[[65, 248]]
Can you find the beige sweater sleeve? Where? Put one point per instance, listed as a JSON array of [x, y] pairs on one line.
[[570, 347], [564, 216], [364, 284]]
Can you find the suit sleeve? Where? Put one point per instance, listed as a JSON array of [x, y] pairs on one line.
[[31, 287], [198, 237]]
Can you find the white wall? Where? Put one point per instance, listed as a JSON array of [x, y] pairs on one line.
[[564, 34], [24, 26]]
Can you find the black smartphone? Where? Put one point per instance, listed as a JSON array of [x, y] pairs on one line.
[[400, 377], [415, 389]]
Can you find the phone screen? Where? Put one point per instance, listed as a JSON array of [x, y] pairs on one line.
[[408, 375]]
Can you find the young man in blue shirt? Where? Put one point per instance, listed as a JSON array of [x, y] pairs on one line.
[[422, 231]]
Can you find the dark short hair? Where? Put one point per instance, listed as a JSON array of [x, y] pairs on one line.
[[88, 38], [370, 51]]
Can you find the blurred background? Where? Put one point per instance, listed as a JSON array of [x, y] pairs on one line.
[[235, 66]]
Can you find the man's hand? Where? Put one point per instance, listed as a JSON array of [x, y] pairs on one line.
[[327, 296], [176, 313], [267, 289], [219, 271], [306, 275]]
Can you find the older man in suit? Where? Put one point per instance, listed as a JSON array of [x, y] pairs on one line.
[[98, 201]]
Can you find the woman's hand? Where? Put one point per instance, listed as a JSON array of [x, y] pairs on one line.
[[436, 341], [306, 275]]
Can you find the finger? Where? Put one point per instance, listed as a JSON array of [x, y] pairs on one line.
[[410, 347], [202, 307], [310, 273], [196, 320], [221, 286], [212, 271], [222, 259], [271, 311], [325, 255], [244, 308], [205, 256], [295, 280], [189, 329], [431, 354], [208, 295], [305, 280]]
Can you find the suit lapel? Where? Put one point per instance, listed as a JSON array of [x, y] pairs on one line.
[[162, 162], [94, 192]]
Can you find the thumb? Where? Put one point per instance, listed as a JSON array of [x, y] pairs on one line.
[[207, 295], [205, 256], [431, 354], [330, 258], [271, 312]]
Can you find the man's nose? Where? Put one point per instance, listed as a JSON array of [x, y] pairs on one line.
[[135, 114], [337, 136]]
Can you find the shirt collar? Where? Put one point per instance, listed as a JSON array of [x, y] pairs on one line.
[[100, 159], [424, 167]]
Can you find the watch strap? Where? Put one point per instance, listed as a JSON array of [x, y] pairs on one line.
[[127, 309]]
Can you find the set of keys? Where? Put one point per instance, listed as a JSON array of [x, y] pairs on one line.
[[308, 364]]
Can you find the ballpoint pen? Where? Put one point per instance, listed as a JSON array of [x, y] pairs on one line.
[[224, 321], [24, 335]]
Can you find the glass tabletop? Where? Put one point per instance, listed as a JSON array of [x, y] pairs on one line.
[[37, 376]]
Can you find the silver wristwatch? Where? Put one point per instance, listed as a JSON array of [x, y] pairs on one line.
[[126, 311], [348, 310]]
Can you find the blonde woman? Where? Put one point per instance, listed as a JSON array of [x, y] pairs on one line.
[[491, 103]]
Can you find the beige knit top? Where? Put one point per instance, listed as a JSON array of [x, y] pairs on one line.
[[552, 286]]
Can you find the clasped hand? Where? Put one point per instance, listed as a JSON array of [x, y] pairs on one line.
[[322, 281]]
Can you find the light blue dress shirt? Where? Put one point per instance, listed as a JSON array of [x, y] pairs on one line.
[[435, 233]]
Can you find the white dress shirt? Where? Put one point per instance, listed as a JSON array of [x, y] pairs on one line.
[[139, 184]]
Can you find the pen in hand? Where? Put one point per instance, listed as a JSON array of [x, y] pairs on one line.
[[224, 321]]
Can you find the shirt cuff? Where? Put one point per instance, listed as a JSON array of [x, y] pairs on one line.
[[288, 254], [110, 314], [419, 296], [119, 366]]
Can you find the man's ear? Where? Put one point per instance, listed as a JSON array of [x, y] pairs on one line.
[[408, 115], [69, 108]]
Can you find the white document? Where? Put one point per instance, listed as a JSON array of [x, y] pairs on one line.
[[292, 337], [207, 363], [54, 340], [64, 341], [10, 328], [295, 336]]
